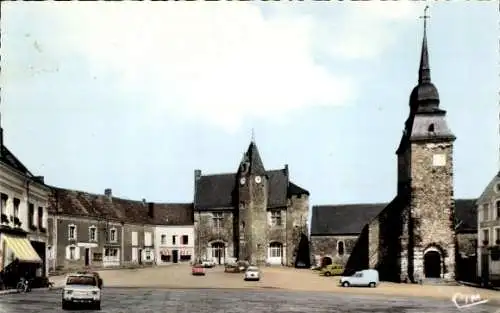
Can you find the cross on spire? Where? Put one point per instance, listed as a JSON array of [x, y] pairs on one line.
[[425, 17], [253, 135]]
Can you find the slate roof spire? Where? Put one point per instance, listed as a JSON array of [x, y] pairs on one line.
[[424, 71]]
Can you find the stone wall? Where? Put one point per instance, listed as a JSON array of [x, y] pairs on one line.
[[206, 232], [432, 205], [326, 246], [296, 217]]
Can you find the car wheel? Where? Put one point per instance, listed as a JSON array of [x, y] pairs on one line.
[[345, 284], [328, 274], [97, 306], [372, 285]]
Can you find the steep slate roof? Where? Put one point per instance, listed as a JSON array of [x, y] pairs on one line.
[[253, 156], [11, 160], [329, 220], [343, 219], [83, 204], [217, 191]]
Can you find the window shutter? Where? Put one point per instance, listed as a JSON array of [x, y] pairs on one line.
[[67, 253], [77, 253]]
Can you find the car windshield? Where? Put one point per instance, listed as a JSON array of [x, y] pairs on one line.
[[253, 269], [81, 280]]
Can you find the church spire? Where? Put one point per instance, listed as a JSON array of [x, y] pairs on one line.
[[424, 71]]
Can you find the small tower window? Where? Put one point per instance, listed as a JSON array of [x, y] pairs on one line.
[[431, 128], [340, 248]]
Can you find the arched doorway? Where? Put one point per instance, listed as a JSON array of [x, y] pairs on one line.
[[275, 253], [326, 261], [432, 264], [218, 252]]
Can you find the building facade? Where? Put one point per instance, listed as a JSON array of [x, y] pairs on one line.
[[93, 231], [488, 249], [174, 244], [254, 214], [23, 213]]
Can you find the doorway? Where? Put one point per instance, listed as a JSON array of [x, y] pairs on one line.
[[140, 256], [87, 256], [218, 252], [175, 256], [432, 264]]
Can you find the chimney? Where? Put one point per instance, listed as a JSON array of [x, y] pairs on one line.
[[151, 210], [143, 201], [286, 169], [108, 193], [197, 176]]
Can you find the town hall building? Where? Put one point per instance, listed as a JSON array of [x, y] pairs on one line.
[[254, 214]]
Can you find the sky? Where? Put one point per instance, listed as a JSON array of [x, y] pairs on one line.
[[135, 96]]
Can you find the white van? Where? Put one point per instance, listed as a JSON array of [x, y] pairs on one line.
[[362, 278]]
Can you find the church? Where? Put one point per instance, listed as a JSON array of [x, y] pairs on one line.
[[254, 214], [416, 235]]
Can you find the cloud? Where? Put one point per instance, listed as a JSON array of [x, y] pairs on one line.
[[216, 63]]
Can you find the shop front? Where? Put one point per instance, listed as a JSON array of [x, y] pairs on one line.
[[19, 259]]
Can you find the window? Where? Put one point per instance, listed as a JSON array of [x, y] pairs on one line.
[[111, 252], [486, 235], [486, 212], [72, 253], [497, 235], [275, 249], [497, 187], [31, 215], [147, 255], [217, 218], [185, 257], [112, 235], [163, 239], [72, 232], [439, 160], [497, 203], [16, 207], [174, 239], [97, 257], [148, 239], [185, 239], [135, 239], [92, 233], [276, 217], [3, 203], [40, 217], [340, 248]]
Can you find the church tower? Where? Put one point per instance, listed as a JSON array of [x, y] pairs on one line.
[[425, 180], [252, 211]]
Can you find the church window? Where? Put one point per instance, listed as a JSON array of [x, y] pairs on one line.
[[340, 248], [217, 219], [276, 217]]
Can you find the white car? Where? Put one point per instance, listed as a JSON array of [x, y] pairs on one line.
[[252, 273], [361, 278], [81, 289], [207, 263]]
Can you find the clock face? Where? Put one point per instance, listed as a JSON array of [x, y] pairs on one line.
[[258, 179], [243, 180]]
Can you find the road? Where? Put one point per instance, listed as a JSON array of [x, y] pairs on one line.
[[121, 300]]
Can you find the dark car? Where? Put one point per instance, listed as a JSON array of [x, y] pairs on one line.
[[96, 275]]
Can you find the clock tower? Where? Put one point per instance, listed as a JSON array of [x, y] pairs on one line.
[[251, 212]]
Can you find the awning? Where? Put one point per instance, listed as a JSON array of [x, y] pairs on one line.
[[22, 249]]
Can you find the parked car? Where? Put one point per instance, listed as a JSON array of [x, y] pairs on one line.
[[208, 263], [198, 270], [231, 268], [252, 273], [332, 270], [361, 278], [96, 275], [242, 265], [81, 289]]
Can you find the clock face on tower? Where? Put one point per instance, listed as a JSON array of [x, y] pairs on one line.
[[243, 181], [258, 179]]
